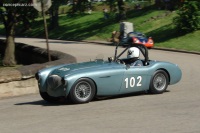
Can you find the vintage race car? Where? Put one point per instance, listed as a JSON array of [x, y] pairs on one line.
[[138, 38], [81, 82]]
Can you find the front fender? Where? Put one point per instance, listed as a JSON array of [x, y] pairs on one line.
[[108, 82], [43, 74]]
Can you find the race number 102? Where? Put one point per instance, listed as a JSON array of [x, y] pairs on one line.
[[132, 81]]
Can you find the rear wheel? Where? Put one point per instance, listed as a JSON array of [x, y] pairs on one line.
[[159, 82], [82, 91]]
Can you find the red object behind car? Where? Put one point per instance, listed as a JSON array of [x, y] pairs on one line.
[[148, 43]]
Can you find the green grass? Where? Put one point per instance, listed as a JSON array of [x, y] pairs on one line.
[[155, 23], [78, 27], [188, 42]]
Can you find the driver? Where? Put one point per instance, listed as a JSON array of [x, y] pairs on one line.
[[133, 56]]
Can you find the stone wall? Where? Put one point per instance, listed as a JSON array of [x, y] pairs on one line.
[[17, 88], [20, 81]]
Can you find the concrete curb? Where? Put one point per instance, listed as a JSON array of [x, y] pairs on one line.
[[176, 50], [18, 88]]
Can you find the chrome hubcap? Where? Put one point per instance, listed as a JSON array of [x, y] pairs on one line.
[[160, 81], [83, 90]]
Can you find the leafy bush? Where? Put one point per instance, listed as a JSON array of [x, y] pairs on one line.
[[188, 19]]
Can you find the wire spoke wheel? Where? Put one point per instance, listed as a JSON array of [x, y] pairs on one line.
[[159, 82], [82, 91]]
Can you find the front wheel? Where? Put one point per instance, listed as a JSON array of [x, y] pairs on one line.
[[82, 91], [159, 82]]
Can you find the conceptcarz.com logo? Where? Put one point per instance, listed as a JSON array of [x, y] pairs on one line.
[[18, 4]]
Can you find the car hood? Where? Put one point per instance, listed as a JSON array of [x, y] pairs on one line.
[[82, 67]]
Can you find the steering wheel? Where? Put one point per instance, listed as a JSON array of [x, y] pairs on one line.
[[120, 61]]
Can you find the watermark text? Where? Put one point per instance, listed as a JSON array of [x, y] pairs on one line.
[[18, 4]]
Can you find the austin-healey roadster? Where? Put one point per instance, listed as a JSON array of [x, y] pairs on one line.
[[81, 82]]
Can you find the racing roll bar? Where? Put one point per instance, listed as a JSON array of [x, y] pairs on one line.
[[141, 47]]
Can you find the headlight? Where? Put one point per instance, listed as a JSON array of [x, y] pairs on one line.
[[54, 81]]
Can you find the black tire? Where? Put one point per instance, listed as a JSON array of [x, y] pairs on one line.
[[159, 82], [83, 91], [48, 98]]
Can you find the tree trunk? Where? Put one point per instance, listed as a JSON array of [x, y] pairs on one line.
[[9, 56], [111, 5], [54, 18], [122, 12], [121, 4]]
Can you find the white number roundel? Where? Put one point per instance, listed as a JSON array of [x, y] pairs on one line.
[[131, 82]]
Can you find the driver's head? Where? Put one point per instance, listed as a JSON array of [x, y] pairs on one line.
[[133, 53]]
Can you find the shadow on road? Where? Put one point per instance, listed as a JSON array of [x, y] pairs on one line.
[[96, 99], [44, 103]]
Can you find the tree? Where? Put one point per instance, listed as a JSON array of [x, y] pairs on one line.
[[11, 13], [54, 13], [121, 7], [120, 4], [189, 17], [26, 15], [80, 6], [112, 4]]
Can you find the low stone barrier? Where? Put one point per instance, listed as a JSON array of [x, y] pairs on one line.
[[17, 88], [20, 81]]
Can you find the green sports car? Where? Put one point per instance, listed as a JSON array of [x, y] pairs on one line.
[[81, 82]]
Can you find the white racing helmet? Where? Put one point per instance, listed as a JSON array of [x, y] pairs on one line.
[[133, 53]]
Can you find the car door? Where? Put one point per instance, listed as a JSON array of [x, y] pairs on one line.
[[135, 79], [109, 79]]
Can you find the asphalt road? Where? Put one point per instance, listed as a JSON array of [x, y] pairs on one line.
[[176, 111]]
